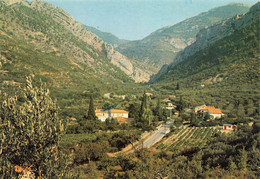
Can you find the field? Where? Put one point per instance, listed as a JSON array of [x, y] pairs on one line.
[[184, 139]]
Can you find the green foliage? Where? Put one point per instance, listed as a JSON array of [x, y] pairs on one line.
[[31, 132], [234, 64], [242, 160], [158, 110], [145, 114], [91, 111], [91, 151], [133, 110]]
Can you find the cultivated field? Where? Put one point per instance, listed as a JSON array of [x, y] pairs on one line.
[[191, 137]]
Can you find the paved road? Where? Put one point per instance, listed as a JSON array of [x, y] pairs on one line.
[[156, 136]]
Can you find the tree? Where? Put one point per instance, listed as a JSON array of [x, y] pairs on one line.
[[194, 121], [30, 134], [133, 110], [242, 160], [144, 105], [91, 110], [231, 165], [240, 110], [158, 110], [177, 86], [145, 112], [180, 106]]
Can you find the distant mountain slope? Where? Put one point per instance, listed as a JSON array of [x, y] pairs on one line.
[[107, 37], [162, 45], [231, 60]]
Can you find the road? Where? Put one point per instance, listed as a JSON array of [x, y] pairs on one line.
[[155, 137], [158, 135]]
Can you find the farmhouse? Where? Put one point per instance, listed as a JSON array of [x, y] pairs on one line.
[[115, 113], [229, 126], [209, 110]]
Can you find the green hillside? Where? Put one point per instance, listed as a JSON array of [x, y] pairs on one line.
[[107, 37], [162, 45], [232, 60], [32, 42]]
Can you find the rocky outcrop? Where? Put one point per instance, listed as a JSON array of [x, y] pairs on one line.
[[116, 58], [210, 35]]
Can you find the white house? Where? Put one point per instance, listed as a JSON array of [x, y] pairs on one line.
[[210, 110], [115, 113]]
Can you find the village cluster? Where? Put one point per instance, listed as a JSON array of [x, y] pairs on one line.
[[203, 111]]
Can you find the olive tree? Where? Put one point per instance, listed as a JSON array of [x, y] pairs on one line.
[[30, 131]]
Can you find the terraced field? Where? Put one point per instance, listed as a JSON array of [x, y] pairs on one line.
[[183, 139]]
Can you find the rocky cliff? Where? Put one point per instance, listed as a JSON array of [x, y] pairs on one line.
[[78, 30]]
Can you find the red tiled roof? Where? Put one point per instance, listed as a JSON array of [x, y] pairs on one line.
[[215, 111], [211, 110]]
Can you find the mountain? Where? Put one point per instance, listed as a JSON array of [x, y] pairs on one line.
[[107, 37], [47, 26], [225, 54], [161, 46]]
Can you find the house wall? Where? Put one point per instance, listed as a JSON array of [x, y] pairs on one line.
[[229, 127], [104, 116], [216, 115]]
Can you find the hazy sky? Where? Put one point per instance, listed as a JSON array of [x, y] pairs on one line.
[[135, 19]]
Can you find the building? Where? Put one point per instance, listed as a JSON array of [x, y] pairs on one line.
[[120, 96], [198, 108], [229, 127], [115, 113], [209, 110], [148, 94], [215, 112]]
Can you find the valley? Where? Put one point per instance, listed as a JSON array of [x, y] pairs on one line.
[[77, 102]]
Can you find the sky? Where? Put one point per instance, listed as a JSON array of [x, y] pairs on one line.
[[136, 19]]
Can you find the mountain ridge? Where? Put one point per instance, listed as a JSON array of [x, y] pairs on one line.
[[161, 46], [209, 35]]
